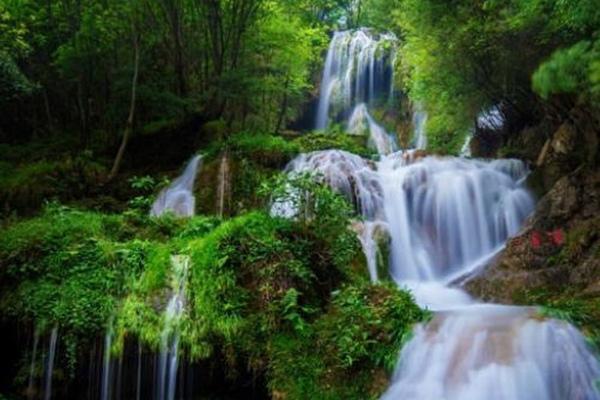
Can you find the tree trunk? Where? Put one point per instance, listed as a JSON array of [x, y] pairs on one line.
[[284, 105], [130, 118]]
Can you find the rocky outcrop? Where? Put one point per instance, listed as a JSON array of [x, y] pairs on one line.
[[557, 250]]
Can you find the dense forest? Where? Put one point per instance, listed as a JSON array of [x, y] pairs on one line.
[[300, 199]]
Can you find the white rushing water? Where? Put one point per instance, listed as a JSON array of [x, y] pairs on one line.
[[31, 379], [446, 218], [498, 353], [168, 359], [419, 120], [106, 385], [179, 198], [358, 73], [50, 356]]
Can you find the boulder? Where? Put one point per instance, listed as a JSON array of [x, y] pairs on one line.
[[557, 249]]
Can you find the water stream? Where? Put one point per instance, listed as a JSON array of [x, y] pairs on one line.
[[358, 75], [445, 218], [31, 379], [50, 356], [168, 359], [179, 198]]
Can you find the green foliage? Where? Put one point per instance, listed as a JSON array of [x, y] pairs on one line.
[[583, 312], [145, 188], [460, 58], [267, 150], [25, 185], [265, 274], [348, 351], [13, 84], [575, 70], [64, 270], [377, 319], [252, 158], [333, 140]]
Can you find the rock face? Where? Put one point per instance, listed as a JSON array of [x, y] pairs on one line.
[[557, 250]]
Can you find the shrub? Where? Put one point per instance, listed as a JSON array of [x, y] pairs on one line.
[[333, 140]]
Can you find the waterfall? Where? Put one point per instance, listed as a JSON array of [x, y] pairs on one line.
[[465, 150], [50, 363], [358, 73], [179, 197], [446, 217], [168, 361], [419, 120], [30, 380], [495, 352], [368, 233], [105, 393], [361, 122], [445, 213]]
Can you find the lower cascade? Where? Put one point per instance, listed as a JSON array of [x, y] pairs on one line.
[[495, 352], [445, 218]]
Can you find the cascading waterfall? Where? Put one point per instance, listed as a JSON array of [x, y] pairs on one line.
[[419, 120], [358, 73], [30, 380], [446, 217], [50, 363], [168, 361], [495, 352], [179, 198], [445, 213], [105, 393]]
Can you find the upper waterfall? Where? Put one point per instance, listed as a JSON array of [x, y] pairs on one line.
[[358, 74]]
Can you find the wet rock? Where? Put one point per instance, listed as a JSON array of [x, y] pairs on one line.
[[558, 249]]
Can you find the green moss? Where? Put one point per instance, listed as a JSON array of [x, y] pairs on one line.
[[350, 351], [334, 140], [253, 158], [24, 186], [265, 294], [580, 237], [581, 311], [267, 150], [71, 269]]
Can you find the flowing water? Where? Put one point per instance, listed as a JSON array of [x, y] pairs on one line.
[[31, 379], [50, 356], [168, 360], [439, 220], [419, 120], [179, 198], [105, 391], [444, 219], [358, 74]]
